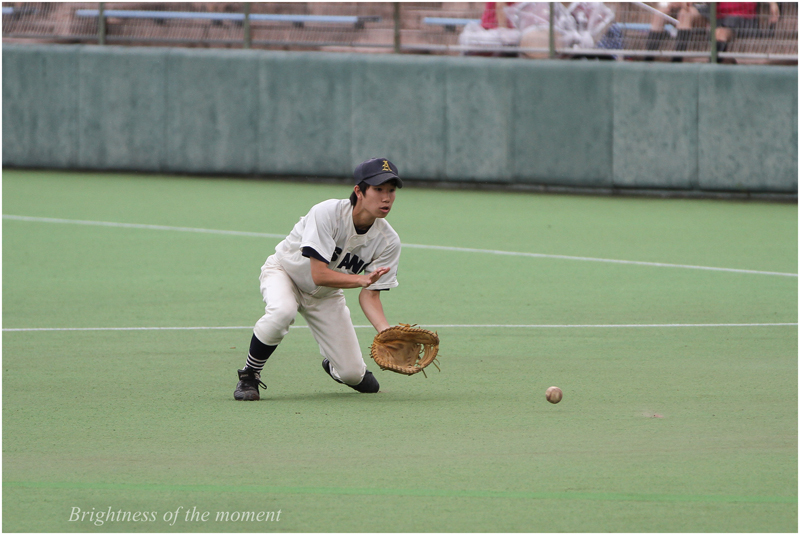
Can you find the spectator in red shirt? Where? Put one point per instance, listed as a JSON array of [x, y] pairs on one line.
[[494, 16], [739, 18], [733, 18], [736, 9]]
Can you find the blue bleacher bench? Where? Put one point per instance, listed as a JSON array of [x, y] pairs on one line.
[[297, 20], [20, 11]]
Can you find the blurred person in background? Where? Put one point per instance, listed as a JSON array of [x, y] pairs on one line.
[[689, 17], [496, 29], [494, 15], [739, 18], [733, 18]]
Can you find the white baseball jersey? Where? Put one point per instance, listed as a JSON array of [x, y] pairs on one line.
[[328, 229]]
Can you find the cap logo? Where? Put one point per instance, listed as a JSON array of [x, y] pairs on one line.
[[386, 166]]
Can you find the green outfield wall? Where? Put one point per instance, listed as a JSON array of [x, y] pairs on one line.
[[559, 123]]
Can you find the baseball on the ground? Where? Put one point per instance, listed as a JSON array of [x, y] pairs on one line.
[[554, 394]]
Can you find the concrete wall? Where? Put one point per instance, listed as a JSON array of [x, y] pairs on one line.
[[569, 123]]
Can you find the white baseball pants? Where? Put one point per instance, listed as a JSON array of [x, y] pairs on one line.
[[327, 317]]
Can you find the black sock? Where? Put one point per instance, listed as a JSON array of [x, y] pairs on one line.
[[653, 42], [681, 44], [258, 355], [682, 40], [721, 46], [654, 39]]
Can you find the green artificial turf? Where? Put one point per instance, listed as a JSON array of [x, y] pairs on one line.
[[663, 427]]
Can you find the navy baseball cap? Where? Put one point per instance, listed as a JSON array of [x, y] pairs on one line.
[[376, 171]]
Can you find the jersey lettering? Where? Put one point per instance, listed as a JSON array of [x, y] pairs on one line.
[[329, 227], [352, 264]]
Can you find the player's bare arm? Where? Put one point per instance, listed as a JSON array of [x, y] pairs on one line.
[[323, 276], [370, 301]]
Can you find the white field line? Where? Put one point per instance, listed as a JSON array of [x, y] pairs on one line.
[[408, 245], [140, 226], [590, 259], [613, 326]]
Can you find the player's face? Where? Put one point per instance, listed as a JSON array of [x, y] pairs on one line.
[[378, 200]]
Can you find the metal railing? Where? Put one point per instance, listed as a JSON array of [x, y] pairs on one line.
[[656, 31]]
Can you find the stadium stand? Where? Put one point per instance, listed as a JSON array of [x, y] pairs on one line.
[[419, 27]]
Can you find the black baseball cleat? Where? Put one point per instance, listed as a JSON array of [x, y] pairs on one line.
[[368, 385], [247, 388]]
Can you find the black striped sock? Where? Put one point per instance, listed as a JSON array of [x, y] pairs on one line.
[[255, 364], [258, 354]]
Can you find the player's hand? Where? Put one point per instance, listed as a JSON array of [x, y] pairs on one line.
[[371, 278]]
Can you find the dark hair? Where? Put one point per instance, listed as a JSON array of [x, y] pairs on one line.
[[363, 186]]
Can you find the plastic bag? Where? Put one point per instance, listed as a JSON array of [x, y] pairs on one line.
[[475, 35], [581, 25]]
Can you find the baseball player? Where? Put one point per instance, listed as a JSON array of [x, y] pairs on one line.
[[338, 244]]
